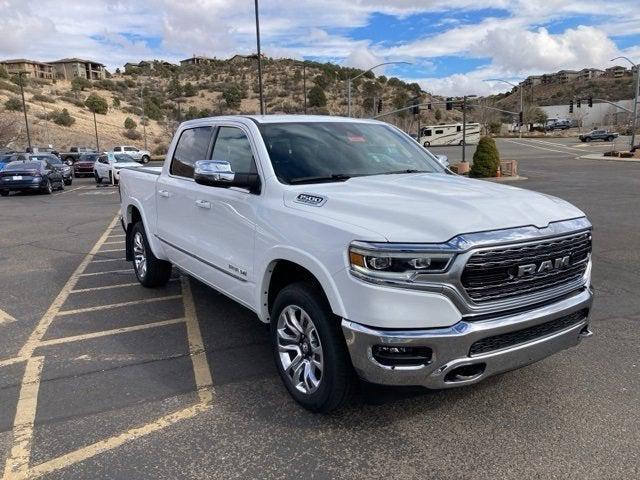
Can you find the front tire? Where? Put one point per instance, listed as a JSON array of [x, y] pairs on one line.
[[97, 177], [4, 193], [588, 139], [150, 270], [609, 139], [309, 349], [145, 159], [426, 144], [48, 188]]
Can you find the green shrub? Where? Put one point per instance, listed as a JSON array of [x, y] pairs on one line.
[[39, 97], [129, 124], [486, 159], [97, 104], [115, 102], [78, 84], [317, 98], [62, 117], [233, 96], [4, 85], [189, 90], [3, 72], [14, 104]]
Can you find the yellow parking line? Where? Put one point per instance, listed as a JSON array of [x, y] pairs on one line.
[[115, 305], [201, 370], [91, 274], [18, 461], [106, 287], [11, 361], [115, 331]]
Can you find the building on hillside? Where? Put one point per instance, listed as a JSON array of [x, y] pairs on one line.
[[589, 74], [565, 76], [547, 78], [32, 68], [617, 72], [146, 64], [196, 60], [69, 68], [531, 81], [253, 56]]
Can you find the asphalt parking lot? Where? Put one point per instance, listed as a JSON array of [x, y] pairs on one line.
[[102, 379]]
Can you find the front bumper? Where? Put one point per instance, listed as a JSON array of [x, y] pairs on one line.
[[451, 363]]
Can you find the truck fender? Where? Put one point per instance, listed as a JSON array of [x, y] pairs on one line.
[[304, 259], [154, 243]]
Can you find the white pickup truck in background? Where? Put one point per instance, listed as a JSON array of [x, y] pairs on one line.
[[367, 257], [142, 156]]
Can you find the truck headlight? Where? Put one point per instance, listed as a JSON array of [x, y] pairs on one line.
[[395, 262]]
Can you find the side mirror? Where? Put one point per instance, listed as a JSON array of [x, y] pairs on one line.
[[444, 160], [218, 173]]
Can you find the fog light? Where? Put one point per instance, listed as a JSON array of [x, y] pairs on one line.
[[396, 355]]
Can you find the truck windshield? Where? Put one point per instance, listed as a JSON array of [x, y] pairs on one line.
[[306, 152]]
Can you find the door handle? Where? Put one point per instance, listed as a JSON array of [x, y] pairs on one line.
[[203, 204], [164, 193]]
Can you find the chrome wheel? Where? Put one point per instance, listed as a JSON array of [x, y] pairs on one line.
[[139, 255], [300, 349]]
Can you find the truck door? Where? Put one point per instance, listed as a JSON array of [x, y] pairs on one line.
[[225, 217]]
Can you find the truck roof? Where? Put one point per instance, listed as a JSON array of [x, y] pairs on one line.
[[263, 119]]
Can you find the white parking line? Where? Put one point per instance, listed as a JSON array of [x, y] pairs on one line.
[[116, 305], [102, 260], [69, 190], [106, 287], [112, 250], [115, 242], [527, 144], [92, 274]]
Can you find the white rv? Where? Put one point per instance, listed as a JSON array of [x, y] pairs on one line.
[[432, 135]]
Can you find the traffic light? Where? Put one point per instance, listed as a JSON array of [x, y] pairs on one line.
[[578, 102], [521, 117], [379, 105], [570, 106], [449, 104], [590, 101]]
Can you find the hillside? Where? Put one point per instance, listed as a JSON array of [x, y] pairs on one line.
[[173, 93]]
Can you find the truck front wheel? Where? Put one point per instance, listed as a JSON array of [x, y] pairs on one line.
[[309, 349], [150, 270]]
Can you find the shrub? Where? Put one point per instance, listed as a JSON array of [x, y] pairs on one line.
[[233, 96], [14, 104], [486, 159], [132, 134], [4, 85], [97, 104], [317, 98], [160, 149], [115, 102], [129, 124], [78, 84], [189, 90], [39, 97], [3, 72], [62, 117]]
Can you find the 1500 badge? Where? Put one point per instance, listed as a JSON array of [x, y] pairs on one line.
[[309, 199]]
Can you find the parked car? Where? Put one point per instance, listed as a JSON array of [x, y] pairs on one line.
[[364, 254], [49, 149], [84, 165], [23, 175], [74, 154], [63, 168], [6, 159], [558, 125], [109, 165], [604, 135], [142, 156]]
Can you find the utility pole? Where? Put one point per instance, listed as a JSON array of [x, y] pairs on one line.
[[304, 85], [259, 58], [95, 125], [144, 126], [24, 107], [464, 128]]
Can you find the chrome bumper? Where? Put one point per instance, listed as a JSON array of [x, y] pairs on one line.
[[450, 346]]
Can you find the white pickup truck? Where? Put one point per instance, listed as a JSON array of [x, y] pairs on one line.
[[366, 256], [142, 156]]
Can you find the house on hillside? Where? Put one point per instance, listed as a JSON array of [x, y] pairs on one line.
[[617, 72], [69, 68], [146, 64], [32, 68], [565, 76], [196, 60], [239, 58], [531, 81], [589, 73]]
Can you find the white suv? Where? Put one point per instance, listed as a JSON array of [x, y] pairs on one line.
[[142, 156]]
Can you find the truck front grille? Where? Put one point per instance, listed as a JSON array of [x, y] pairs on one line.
[[506, 340], [505, 272]]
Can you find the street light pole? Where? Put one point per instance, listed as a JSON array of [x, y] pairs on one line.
[[24, 108], [521, 100], [304, 85], [144, 126], [259, 58], [95, 126], [464, 125], [361, 74], [635, 101]]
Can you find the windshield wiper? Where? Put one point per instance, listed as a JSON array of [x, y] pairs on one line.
[[408, 170], [336, 177]]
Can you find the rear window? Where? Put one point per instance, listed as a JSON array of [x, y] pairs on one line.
[[24, 166]]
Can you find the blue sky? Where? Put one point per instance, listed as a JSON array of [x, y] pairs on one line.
[[453, 45]]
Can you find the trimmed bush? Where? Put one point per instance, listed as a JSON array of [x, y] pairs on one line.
[[97, 104], [62, 117], [129, 124], [486, 159]]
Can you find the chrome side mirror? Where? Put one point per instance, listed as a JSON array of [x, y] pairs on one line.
[[215, 173], [444, 160]]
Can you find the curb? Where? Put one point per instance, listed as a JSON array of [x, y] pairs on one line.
[[611, 159], [506, 179]]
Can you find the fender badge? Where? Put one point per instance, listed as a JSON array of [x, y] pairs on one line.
[[309, 199]]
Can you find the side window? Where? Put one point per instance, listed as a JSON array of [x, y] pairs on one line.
[[130, 149], [458, 128], [116, 149], [428, 133], [192, 146], [233, 146], [439, 132]]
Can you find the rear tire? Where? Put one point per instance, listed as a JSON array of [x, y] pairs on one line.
[[609, 139], [150, 270], [4, 193], [145, 159], [588, 139], [427, 144], [309, 349]]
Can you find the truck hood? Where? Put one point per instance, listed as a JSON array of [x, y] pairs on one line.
[[429, 208]]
